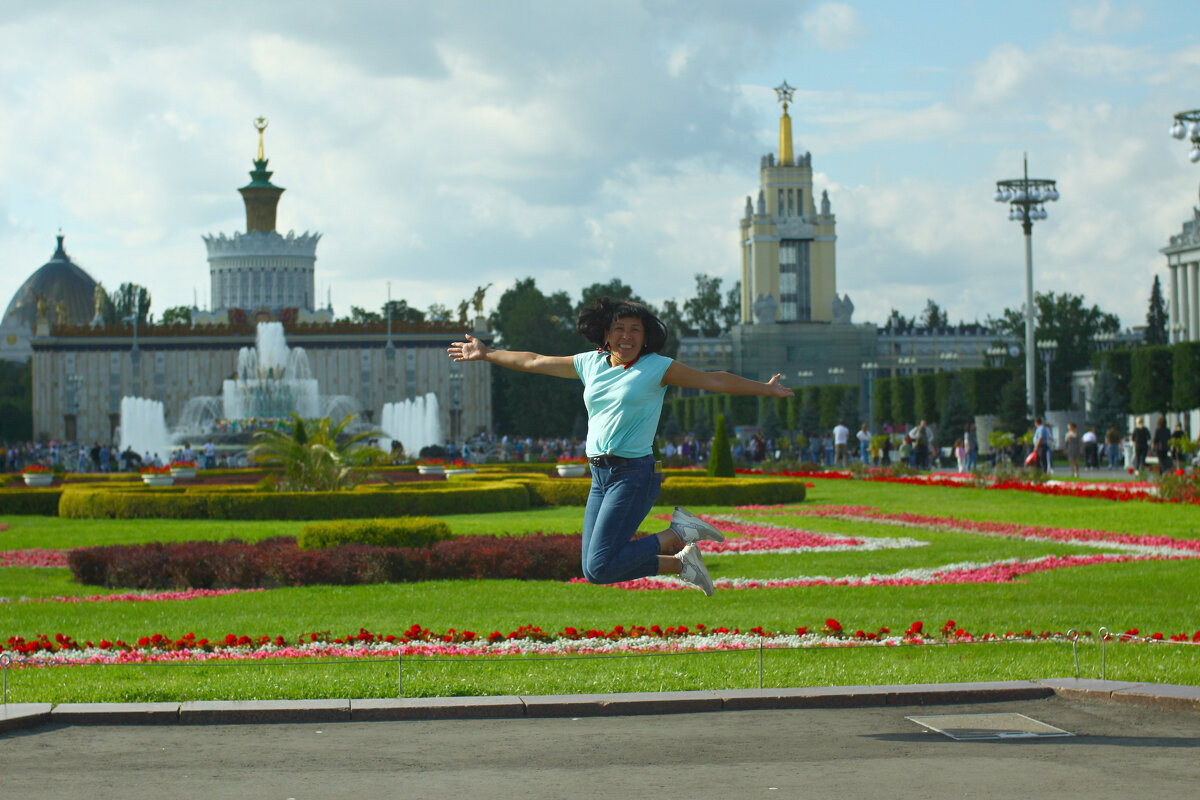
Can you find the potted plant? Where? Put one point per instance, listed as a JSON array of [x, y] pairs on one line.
[[37, 475], [459, 467], [157, 476], [181, 469], [572, 466], [431, 466]]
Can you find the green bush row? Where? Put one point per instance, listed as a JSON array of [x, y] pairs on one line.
[[116, 504], [397, 532], [431, 499], [43, 502]]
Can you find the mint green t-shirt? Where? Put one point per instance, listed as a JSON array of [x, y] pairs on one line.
[[623, 405]]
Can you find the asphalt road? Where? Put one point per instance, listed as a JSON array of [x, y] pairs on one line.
[[1118, 751]]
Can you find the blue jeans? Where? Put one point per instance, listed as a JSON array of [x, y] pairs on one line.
[[620, 499]]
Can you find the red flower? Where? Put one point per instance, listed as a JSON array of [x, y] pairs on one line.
[[832, 626]]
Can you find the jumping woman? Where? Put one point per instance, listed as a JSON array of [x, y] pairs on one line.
[[624, 382]]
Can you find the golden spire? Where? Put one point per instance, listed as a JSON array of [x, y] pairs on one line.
[[260, 125], [785, 125]]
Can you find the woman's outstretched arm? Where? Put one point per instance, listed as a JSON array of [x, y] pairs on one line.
[[680, 374], [475, 350]]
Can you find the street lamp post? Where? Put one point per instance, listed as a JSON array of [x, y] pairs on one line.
[[1027, 198], [868, 368], [1047, 349], [836, 373], [996, 355], [949, 359]]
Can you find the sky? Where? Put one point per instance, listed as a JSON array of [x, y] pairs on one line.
[[438, 147]]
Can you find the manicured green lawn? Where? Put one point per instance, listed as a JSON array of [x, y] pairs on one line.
[[1149, 595]]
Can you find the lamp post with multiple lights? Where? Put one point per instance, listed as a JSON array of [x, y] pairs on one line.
[[1047, 349], [1027, 198]]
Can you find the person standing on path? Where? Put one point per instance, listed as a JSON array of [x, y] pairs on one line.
[[841, 438], [1041, 444], [624, 382], [1162, 445], [1141, 444], [1073, 445], [864, 445]]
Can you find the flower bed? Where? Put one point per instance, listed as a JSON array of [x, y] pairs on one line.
[[134, 597], [36, 557], [62, 650], [279, 562]]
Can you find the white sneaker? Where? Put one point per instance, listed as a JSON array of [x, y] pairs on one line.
[[693, 571], [690, 528]]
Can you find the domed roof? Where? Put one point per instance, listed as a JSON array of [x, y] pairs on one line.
[[61, 282]]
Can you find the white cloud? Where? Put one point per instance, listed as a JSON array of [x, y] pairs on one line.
[[1103, 18], [833, 26]]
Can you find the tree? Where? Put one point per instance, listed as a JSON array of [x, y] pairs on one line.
[[317, 455], [1014, 407], [1109, 404], [535, 405], [720, 459], [731, 312], [437, 311], [1151, 378], [933, 316], [360, 316], [704, 311], [1065, 319], [177, 315], [16, 401], [676, 328], [770, 418], [615, 289], [1156, 316], [956, 413], [401, 312], [119, 310], [848, 409], [898, 323]]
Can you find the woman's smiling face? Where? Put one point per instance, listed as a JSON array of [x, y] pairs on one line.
[[625, 339]]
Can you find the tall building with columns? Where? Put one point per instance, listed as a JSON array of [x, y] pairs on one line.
[[261, 271], [1183, 260]]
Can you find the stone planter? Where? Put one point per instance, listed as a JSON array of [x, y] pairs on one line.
[[183, 473], [158, 480], [454, 473], [38, 479], [571, 470], [430, 469]]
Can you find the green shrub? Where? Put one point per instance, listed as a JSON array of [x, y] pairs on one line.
[[43, 502], [731, 492], [720, 459], [398, 532]]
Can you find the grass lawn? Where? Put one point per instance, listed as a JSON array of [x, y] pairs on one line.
[[1152, 596]]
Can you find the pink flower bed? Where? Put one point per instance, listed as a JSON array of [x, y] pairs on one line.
[[1065, 535], [36, 557], [751, 537], [1124, 491], [135, 597], [63, 650]]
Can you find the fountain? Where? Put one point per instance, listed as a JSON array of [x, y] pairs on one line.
[[271, 382], [414, 423], [144, 428]]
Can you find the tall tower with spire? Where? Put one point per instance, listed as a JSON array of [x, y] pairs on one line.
[[261, 271], [788, 240]]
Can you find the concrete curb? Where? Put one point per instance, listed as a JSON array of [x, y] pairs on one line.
[[19, 716]]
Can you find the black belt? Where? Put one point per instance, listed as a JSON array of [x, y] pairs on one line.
[[608, 461]]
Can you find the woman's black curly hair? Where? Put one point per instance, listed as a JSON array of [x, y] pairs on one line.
[[596, 318]]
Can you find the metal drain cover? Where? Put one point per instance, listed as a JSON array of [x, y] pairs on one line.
[[971, 727]]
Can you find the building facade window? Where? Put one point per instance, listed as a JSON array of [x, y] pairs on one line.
[[795, 281]]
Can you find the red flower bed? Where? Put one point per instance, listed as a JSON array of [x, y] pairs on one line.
[[279, 562]]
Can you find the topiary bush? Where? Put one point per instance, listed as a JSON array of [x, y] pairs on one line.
[[720, 459], [398, 532], [43, 502]]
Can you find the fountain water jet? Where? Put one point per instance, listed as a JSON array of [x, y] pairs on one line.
[[414, 423]]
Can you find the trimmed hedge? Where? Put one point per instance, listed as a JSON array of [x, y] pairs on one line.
[[43, 502], [436, 499], [358, 504], [1150, 382], [1185, 385], [279, 562], [399, 532]]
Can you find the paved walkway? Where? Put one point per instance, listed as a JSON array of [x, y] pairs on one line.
[[1129, 741]]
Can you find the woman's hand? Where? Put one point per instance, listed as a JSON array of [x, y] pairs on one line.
[[777, 389], [470, 350]]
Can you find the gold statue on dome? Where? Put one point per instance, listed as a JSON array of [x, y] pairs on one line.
[[478, 298], [462, 312], [784, 94], [260, 125]]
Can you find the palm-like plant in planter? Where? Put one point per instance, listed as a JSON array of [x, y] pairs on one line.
[[317, 455]]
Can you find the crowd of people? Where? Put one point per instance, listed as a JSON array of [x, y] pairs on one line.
[[106, 458]]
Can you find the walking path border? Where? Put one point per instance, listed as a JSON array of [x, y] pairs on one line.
[[17, 716]]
